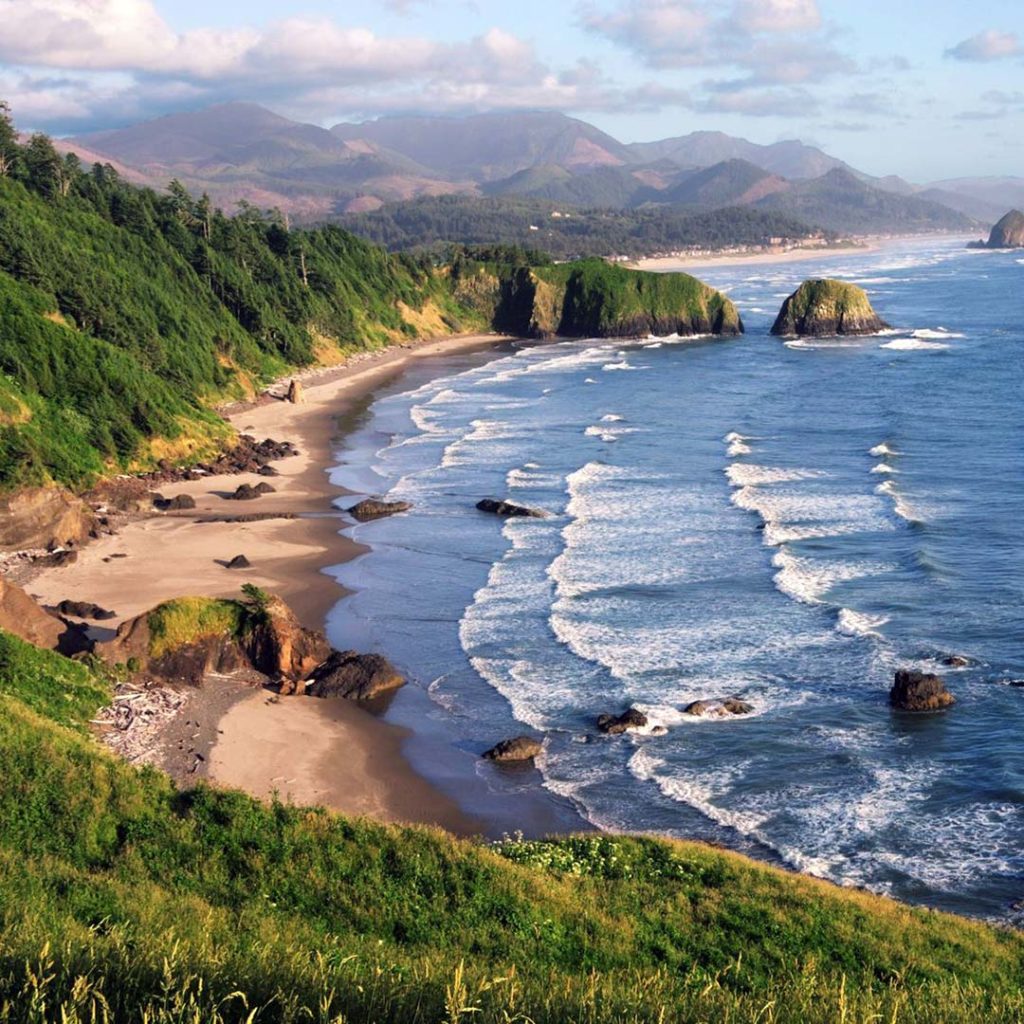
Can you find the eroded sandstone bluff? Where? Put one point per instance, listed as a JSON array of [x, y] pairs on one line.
[[823, 308]]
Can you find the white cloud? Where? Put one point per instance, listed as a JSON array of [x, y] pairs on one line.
[[778, 15], [987, 46]]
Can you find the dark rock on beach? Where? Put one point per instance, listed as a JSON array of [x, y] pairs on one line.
[[507, 508], [179, 502], [613, 725], [354, 676], [85, 610], [238, 562], [245, 492], [919, 691], [519, 748], [370, 509]]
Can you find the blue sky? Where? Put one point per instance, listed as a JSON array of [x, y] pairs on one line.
[[924, 91]]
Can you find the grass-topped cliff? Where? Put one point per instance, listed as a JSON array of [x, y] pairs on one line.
[[826, 307], [127, 314], [122, 899], [592, 298]]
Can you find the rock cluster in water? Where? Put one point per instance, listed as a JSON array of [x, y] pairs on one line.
[[823, 308]]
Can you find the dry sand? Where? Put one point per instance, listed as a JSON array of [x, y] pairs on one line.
[[666, 264], [304, 749]]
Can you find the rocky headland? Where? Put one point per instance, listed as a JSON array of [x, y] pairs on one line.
[[826, 308]]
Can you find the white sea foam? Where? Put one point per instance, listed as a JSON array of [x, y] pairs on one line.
[[914, 345], [903, 508], [744, 474], [737, 449], [938, 334], [809, 580], [882, 449], [623, 365], [611, 417], [883, 467], [854, 623]]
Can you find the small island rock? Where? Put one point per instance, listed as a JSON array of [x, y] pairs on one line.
[[1008, 233], [919, 691], [519, 748], [823, 308]]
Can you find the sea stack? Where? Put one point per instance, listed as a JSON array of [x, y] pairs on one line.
[[1008, 233], [822, 308]]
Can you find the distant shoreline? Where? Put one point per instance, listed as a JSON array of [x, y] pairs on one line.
[[797, 254]]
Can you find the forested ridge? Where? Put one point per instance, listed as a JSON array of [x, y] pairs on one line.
[[126, 313]]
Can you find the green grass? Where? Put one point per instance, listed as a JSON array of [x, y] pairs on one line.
[[186, 620], [123, 899]]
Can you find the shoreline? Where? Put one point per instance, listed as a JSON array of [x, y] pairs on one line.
[[228, 731], [798, 254]]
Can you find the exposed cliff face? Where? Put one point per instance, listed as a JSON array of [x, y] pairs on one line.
[[824, 307], [1008, 233], [591, 298], [40, 517]]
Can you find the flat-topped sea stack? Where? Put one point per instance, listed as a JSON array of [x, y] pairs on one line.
[[824, 308], [1008, 233], [594, 299]]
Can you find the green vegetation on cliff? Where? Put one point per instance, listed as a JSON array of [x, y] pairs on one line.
[[125, 314], [122, 899], [824, 306], [597, 299]]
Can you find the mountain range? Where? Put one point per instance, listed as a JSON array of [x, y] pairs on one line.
[[242, 151]]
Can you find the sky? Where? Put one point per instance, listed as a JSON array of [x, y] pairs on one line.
[[925, 90]]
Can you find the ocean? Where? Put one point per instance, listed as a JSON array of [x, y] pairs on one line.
[[788, 522]]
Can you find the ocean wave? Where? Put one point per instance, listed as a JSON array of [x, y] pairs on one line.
[[809, 580], [745, 474], [900, 505], [914, 345], [883, 467], [854, 623], [882, 449], [619, 366], [611, 417], [939, 333]]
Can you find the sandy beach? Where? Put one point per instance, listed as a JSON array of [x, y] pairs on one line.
[[859, 246], [247, 738], [667, 264]]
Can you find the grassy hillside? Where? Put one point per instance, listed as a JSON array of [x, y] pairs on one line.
[[122, 899], [124, 314]]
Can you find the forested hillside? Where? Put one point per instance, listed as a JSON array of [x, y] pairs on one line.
[[125, 314], [570, 233]]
